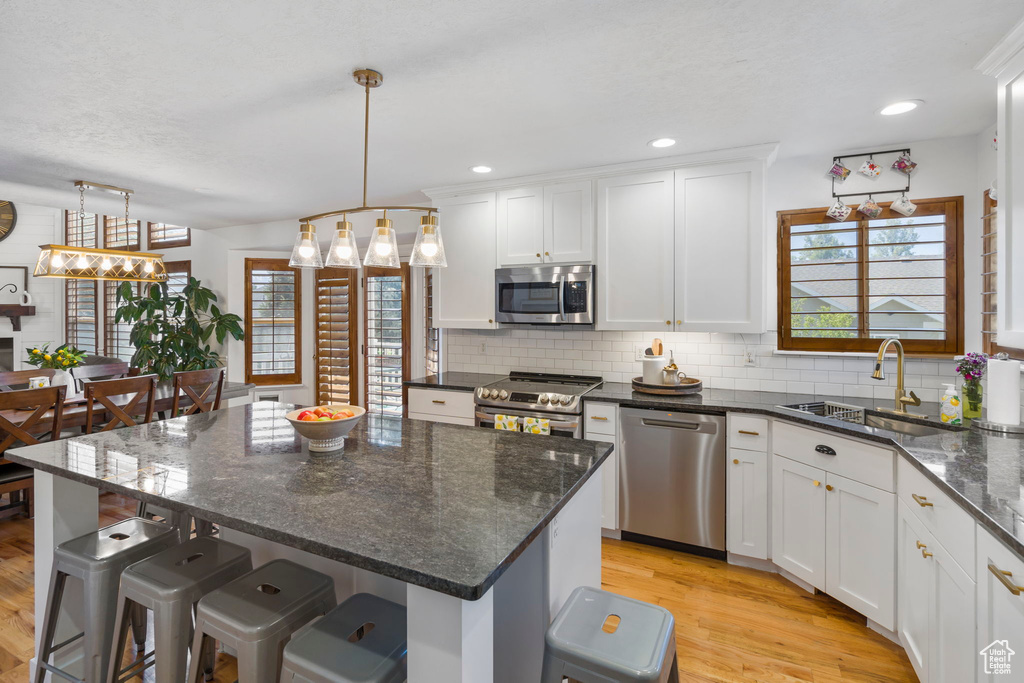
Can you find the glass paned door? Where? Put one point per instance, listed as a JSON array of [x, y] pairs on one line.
[[336, 324], [386, 306]]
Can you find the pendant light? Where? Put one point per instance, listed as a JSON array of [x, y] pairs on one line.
[[383, 251], [306, 252], [428, 251], [343, 252]]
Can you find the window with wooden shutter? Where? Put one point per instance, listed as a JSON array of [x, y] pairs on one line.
[[431, 334], [178, 274], [336, 348], [118, 234], [116, 336], [81, 328], [273, 322], [845, 286], [386, 313], [165, 236], [80, 231], [990, 281]]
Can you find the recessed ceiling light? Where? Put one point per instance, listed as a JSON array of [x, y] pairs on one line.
[[480, 169], [900, 107], [662, 142]]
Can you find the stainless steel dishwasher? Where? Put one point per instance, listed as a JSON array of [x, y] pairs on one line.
[[672, 479]]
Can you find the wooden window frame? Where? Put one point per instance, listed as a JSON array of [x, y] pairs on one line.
[[136, 246], [374, 271], [953, 344], [164, 243], [110, 296], [280, 379], [183, 266], [354, 296]]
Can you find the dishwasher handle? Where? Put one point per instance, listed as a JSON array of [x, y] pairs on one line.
[[690, 426]]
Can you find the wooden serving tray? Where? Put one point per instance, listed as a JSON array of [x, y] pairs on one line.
[[687, 385]]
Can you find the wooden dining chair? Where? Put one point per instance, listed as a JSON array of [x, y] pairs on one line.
[[14, 379], [98, 372], [191, 382], [45, 408], [120, 399]]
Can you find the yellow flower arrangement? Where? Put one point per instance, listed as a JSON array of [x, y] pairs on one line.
[[62, 358]]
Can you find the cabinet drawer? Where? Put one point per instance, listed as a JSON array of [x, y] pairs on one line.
[[950, 524], [601, 418], [440, 402], [747, 432], [872, 465]]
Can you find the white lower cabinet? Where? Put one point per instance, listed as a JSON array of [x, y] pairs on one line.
[[747, 508], [602, 424], [798, 520], [1000, 607], [441, 405], [915, 587], [954, 659]]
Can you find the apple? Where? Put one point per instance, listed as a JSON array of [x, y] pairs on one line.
[[304, 414], [323, 419], [319, 412], [308, 417], [347, 413]]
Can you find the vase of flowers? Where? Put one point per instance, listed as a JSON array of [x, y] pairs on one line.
[[61, 360], [972, 368]]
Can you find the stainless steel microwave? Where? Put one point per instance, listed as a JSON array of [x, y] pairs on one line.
[[545, 295]]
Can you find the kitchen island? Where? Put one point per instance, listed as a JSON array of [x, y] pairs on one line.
[[482, 534]]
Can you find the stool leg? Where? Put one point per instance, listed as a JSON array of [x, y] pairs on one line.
[[551, 671], [259, 662], [200, 643], [121, 623], [140, 626], [100, 607], [53, 599], [171, 624], [673, 677], [203, 528], [210, 653]]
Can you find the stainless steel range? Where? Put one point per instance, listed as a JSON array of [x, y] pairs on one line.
[[557, 398]]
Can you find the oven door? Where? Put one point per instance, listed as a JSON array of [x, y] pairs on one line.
[[545, 295], [561, 425]]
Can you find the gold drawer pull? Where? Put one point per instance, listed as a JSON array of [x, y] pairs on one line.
[[828, 487], [749, 433], [597, 417], [922, 500], [1004, 578], [440, 403], [817, 483], [735, 461], [925, 554], [921, 545]]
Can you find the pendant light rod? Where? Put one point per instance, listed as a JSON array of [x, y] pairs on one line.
[[366, 139]]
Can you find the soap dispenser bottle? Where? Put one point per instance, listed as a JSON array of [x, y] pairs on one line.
[[951, 412]]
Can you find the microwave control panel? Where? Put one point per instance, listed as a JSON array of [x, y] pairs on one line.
[[575, 297]]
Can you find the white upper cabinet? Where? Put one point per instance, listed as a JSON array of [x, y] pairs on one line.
[[465, 289], [634, 252], [719, 247], [546, 224]]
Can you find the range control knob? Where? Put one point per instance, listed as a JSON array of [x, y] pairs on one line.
[[494, 393], [565, 400], [544, 399], [502, 394]]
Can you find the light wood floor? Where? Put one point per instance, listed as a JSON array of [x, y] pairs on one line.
[[732, 623]]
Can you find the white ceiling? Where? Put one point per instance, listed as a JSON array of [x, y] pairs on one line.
[[253, 100]]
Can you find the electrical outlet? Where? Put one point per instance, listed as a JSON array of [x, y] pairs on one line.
[[639, 351], [749, 358], [483, 347]]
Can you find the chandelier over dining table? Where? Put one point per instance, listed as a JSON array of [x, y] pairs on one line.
[[427, 251]]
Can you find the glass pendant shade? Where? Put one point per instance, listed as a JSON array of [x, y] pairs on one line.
[[343, 252], [383, 251], [306, 252], [428, 251]]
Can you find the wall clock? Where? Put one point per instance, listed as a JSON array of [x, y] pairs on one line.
[[8, 217]]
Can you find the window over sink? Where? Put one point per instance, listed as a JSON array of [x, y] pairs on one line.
[[844, 286]]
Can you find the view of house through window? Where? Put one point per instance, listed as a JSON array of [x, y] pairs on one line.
[[386, 306], [843, 286], [273, 320]]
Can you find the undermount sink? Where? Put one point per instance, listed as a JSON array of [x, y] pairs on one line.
[[857, 415]]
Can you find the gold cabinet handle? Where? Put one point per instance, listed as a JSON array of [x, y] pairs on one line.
[[749, 433], [817, 483], [679, 322], [598, 417], [490, 320], [735, 461], [922, 500], [668, 322], [1004, 578], [921, 545], [925, 554], [828, 487], [440, 403], [547, 254], [538, 254]]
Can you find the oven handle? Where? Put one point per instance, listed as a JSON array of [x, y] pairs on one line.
[[561, 297], [567, 426]]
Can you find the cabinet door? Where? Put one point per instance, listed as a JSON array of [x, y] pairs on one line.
[[1000, 608], [520, 226], [747, 505], [465, 289], [609, 482], [954, 659], [634, 252], [798, 520], [915, 588], [719, 246], [569, 222], [861, 548]]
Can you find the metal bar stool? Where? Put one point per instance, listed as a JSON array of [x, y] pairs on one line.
[[599, 637], [97, 558], [362, 640], [171, 583], [257, 614]]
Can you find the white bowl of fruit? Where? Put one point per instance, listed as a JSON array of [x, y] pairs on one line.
[[326, 426]]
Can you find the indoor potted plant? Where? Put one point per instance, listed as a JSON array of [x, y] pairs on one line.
[[172, 330], [972, 368], [61, 360]]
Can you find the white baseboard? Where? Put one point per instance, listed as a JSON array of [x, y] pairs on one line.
[[881, 630], [611, 533], [798, 581], [752, 563]]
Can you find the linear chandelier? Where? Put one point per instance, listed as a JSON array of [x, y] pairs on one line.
[[427, 251], [86, 263]]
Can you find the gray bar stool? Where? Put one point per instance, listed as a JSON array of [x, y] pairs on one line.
[[362, 640], [171, 583], [599, 637], [257, 614], [97, 558]]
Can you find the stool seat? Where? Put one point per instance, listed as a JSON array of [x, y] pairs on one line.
[[129, 540], [640, 649], [193, 568], [361, 640]]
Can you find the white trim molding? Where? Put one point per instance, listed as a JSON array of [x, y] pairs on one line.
[[1003, 52]]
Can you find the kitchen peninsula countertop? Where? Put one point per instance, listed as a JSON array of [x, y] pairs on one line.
[[441, 506]]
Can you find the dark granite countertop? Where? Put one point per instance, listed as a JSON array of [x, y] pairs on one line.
[[462, 381], [441, 506]]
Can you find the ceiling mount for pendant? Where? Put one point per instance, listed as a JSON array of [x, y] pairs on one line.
[[368, 78]]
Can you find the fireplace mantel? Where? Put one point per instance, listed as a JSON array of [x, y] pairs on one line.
[[14, 312]]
